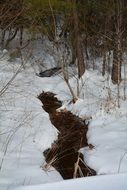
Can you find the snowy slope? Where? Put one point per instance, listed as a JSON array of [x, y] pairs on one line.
[[25, 129]]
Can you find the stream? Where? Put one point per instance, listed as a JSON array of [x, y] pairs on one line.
[[64, 154]]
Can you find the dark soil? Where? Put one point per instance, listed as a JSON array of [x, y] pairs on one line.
[[64, 154]]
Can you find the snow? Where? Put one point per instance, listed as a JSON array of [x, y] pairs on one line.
[[107, 128], [117, 182], [109, 136], [26, 131]]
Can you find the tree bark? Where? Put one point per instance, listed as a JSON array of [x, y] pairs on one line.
[[117, 49], [21, 36], [3, 38], [78, 43]]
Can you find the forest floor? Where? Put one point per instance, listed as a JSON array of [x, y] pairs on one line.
[[26, 130]]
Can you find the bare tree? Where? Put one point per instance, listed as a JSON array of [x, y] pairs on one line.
[[117, 43], [78, 42]]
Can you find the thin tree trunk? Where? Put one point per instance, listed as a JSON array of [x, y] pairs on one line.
[[124, 88], [21, 35], [117, 50], [78, 44], [86, 48], [104, 64], [3, 38]]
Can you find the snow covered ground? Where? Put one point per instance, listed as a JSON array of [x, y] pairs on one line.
[[25, 129], [110, 182]]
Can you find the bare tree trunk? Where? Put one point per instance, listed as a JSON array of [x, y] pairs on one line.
[[105, 46], [66, 79], [21, 36], [3, 38], [104, 64], [86, 47], [73, 54], [117, 61], [117, 50], [124, 87], [78, 43]]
